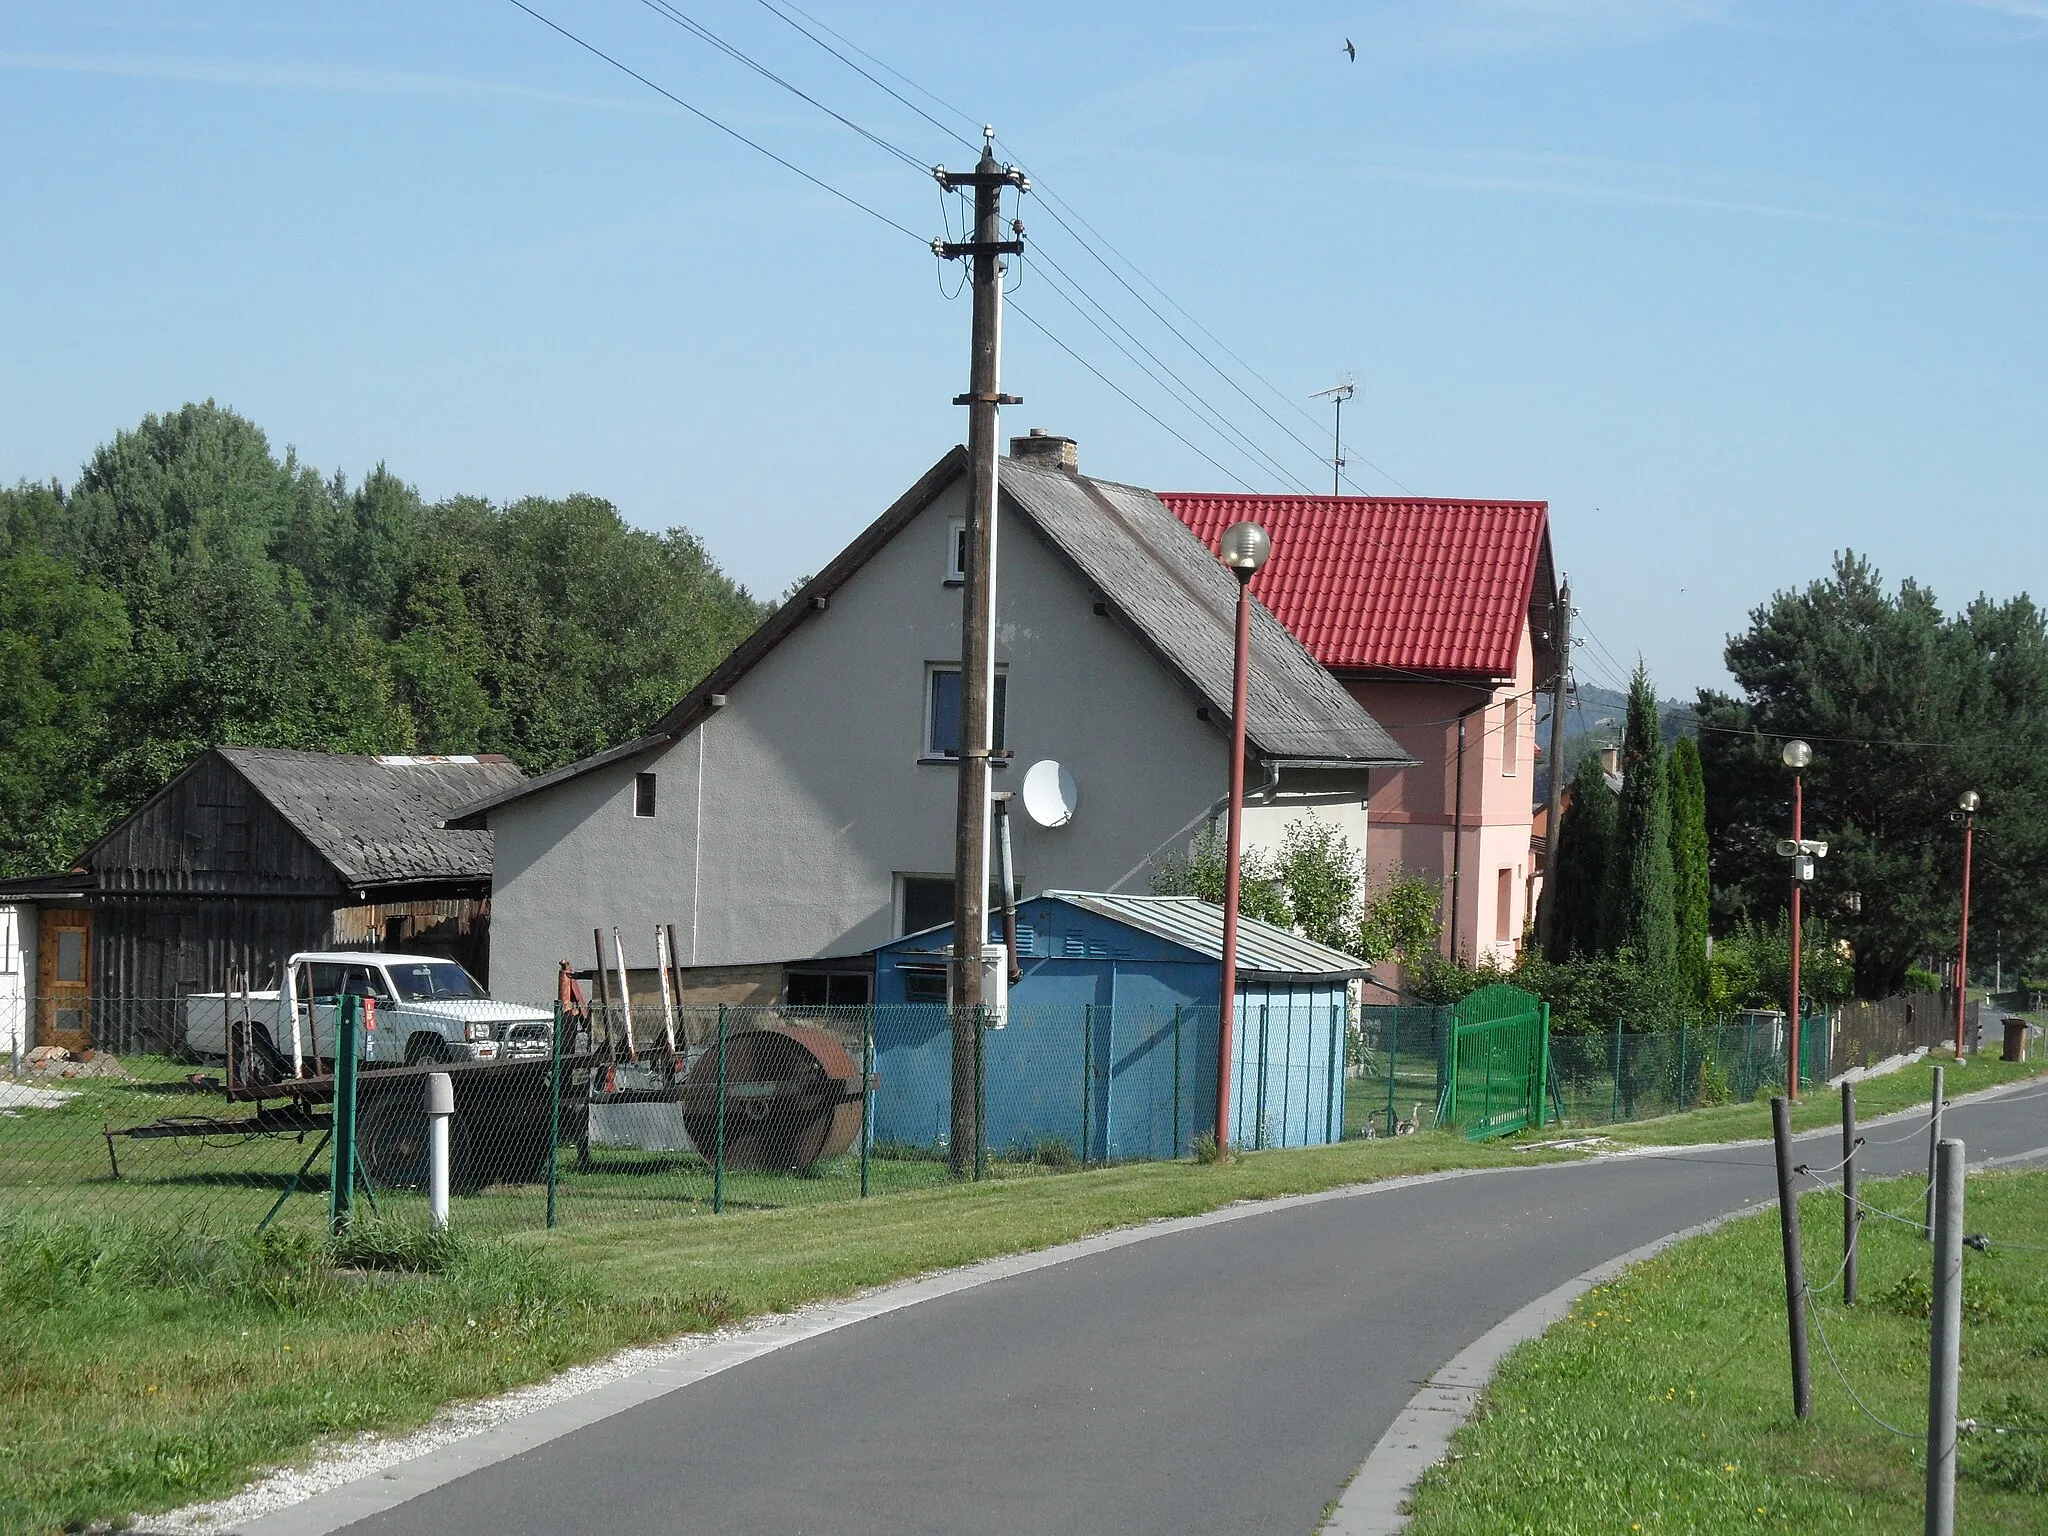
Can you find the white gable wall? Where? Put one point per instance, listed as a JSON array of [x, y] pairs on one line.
[[812, 796]]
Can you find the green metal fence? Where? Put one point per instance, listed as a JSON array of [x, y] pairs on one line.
[[1500, 1058]]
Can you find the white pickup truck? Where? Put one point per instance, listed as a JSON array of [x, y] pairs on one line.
[[426, 1009]]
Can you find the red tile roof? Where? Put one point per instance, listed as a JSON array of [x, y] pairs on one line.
[[1381, 582]]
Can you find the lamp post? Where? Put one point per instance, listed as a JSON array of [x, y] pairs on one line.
[[1243, 550], [1969, 803], [1797, 755]]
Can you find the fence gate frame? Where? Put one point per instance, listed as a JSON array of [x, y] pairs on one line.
[[1497, 1031]]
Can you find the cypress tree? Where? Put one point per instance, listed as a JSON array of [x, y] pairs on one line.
[[1691, 887], [1641, 910], [1584, 845]]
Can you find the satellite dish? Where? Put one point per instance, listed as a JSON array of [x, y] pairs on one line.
[[1049, 794]]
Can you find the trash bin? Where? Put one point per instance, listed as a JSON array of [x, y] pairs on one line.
[[2015, 1040]]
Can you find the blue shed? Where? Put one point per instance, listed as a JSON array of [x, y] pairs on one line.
[[1109, 1042]]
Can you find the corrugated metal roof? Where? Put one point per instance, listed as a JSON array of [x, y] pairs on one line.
[[1410, 583], [1182, 601], [378, 820], [1262, 949]]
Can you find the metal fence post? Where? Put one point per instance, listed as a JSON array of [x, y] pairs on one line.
[[1933, 1147], [1543, 1064], [1336, 1089], [718, 1148], [980, 1092], [440, 1111], [1795, 1264], [341, 1184], [1259, 1124], [867, 1093], [1087, 1072], [1852, 1213], [1393, 1058], [1174, 1139], [1945, 1343], [554, 1113], [1614, 1111], [1681, 1066]]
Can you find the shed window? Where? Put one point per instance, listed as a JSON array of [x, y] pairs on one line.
[[827, 989], [942, 713], [925, 985], [70, 954], [643, 794]]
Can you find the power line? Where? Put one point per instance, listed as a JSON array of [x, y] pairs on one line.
[[1120, 390], [1831, 741], [783, 15], [669, 13], [724, 128], [1186, 396]]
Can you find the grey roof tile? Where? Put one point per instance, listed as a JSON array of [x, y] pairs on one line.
[[377, 820]]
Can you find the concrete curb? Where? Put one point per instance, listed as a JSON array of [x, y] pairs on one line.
[[1420, 1436], [351, 1482]]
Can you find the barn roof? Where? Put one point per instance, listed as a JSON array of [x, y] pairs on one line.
[[1395, 583], [377, 820], [1263, 949]]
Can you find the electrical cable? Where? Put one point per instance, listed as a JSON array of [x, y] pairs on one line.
[[730, 132], [1829, 741], [1251, 452], [697, 29], [773, 10], [1033, 321]]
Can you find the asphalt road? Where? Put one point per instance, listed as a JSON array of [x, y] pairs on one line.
[[1225, 1379]]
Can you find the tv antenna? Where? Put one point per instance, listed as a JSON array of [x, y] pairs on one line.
[[1338, 393]]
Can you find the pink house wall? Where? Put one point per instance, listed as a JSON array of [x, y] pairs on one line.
[[1412, 823]]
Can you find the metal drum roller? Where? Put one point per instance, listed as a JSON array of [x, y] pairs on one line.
[[792, 1097]]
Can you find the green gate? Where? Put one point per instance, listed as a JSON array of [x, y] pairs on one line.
[[1500, 1059]]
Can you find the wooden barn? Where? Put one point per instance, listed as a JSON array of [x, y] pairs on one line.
[[249, 854]]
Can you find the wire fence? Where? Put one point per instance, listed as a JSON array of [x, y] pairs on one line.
[[226, 1116]]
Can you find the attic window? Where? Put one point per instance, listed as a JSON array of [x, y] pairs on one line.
[[956, 551], [643, 794]]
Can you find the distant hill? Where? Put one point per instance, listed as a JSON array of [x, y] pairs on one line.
[[1596, 720]]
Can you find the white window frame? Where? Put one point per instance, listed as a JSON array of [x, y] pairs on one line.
[[956, 551], [927, 751]]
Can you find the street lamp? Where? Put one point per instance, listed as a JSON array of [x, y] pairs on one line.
[[1797, 755], [1968, 805], [1243, 549]]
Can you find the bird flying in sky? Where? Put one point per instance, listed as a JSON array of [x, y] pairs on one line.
[[1350, 51]]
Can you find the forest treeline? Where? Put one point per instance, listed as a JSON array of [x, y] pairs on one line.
[[191, 588]]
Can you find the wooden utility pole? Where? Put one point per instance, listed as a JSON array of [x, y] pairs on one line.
[[1560, 690], [977, 629]]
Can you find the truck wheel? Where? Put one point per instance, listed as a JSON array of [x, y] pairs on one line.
[[422, 1047], [392, 1140]]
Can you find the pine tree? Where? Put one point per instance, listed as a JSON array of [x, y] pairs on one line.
[[1691, 887], [1584, 847], [1641, 910]]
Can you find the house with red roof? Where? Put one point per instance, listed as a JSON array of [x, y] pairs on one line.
[[1438, 616]]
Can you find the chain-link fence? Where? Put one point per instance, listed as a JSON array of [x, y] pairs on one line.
[[226, 1118]]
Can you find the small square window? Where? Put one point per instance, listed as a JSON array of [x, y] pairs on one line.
[[956, 551], [942, 712], [643, 794], [924, 986]]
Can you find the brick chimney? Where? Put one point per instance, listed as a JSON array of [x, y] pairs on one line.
[[1051, 452]]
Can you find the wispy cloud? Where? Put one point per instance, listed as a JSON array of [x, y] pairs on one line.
[[296, 76], [2027, 10]]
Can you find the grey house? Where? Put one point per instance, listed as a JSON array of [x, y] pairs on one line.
[[798, 806]]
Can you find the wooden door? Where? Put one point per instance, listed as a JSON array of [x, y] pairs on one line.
[[64, 979]]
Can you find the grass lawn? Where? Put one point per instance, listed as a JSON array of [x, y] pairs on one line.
[[141, 1369], [1664, 1402]]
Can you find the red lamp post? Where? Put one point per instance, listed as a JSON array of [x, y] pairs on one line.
[[1244, 548], [1969, 803], [1797, 755]]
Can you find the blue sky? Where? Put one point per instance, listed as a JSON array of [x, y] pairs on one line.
[[1731, 285]]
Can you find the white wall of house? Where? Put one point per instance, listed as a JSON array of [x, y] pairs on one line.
[[783, 823]]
